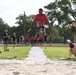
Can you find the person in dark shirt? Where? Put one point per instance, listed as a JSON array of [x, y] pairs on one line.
[[72, 49], [27, 39], [45, 38], [5, 39], [18, 39], [14, 39]]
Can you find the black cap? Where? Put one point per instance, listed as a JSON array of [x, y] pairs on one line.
[[40, 9], [74, 21]]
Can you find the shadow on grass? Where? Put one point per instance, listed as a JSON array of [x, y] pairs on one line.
[[14, 57], [69, 59]]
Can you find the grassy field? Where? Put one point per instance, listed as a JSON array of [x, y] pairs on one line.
[[56, 52], [18, 52]]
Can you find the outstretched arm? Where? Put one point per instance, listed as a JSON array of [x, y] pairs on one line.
[[32, 23], [49, 26]]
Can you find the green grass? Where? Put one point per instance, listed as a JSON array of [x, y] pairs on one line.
[[18, 52], [56, 52]]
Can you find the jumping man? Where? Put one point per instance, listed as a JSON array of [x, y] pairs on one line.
[[41, 19]]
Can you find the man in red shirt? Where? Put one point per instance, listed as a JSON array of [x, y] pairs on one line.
[[41, 19], [33, 39], [27, 38], [40, 39]]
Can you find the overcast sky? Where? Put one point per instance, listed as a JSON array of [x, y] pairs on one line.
[[10, 9]]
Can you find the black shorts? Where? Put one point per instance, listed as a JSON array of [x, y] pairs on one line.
[[40, 41], [14, 42], [26, 40], [5, 41], [41, 30]]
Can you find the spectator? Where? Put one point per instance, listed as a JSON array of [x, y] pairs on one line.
[[14, 39], [40, 39], [27, 39], [5, 39], [72, 49]]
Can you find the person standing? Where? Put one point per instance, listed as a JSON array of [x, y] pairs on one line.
[[5, 39], [72, 49], [14, 39], [18, 40]]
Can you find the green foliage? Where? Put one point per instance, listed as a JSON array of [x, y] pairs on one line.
[[3, 26], [23, 20], [60, 9], [57, 13]]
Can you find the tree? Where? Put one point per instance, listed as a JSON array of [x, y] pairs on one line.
[[60, 9], [20, 22], [58, 12], [3, 26]]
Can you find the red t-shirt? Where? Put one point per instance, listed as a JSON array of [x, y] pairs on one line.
[[41, 17], [40, 38], [33, 38], [26, 37]]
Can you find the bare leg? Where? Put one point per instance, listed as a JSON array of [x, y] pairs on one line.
[[13, 45], [4, 47], [70, 52]]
